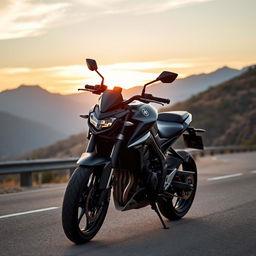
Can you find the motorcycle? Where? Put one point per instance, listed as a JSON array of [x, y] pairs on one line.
[[130, 151]]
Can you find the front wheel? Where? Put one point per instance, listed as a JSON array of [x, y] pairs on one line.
[[82, 215], [178, 201]]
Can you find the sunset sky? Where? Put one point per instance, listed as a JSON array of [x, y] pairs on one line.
[[46, 42]]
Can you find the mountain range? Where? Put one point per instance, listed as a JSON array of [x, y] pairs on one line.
[[19, 135], [60, 113], [227, 112], [184, 88]]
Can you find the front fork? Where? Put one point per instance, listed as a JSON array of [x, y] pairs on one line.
[[107, 172]]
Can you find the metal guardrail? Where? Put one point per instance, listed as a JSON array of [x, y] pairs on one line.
[[220, 150], [26, 167]]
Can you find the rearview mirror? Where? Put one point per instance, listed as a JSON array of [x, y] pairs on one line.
[[91, 64], [167, 77], [164, 77]]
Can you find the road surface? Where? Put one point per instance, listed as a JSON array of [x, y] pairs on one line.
[[222, 220]]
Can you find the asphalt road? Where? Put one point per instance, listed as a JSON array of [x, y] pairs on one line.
[[222, 220]]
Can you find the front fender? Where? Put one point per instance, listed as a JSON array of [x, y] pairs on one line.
[[92, 159]]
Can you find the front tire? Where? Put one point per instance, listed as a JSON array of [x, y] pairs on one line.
[[177, 204], [82, 216]]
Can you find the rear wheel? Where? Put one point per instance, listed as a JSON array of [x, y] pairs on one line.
[[178, 201], [82, 215]]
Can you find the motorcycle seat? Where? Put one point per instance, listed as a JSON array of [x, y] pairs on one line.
[[173, 116], [170, 124]]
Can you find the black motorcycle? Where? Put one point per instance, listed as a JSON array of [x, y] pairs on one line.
[[130, 150]]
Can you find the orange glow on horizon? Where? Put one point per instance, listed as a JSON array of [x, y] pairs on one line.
[[67, 79]]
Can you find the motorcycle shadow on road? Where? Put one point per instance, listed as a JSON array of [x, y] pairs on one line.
[[224, 232], [148, 238]]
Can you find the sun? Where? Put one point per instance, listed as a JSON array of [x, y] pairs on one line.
[[122, 78]]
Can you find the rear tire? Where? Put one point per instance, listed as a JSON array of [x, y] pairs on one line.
[[81, 216], [174, 208]]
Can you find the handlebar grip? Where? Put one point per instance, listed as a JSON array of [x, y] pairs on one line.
[[167, 101], [90, 87], [163, 100]]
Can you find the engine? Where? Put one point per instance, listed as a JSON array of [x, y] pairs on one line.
[[131, 187], [125, 185]]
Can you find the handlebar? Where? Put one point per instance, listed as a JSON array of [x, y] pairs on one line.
[[90, 87], [147, 98], [98, 89], [151, 97]]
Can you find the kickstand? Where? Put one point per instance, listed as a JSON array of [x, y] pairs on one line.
[[155, 208]]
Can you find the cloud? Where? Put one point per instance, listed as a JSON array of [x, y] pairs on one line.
[[150, 68], [28, 18], [10, 71], [149, 65], [143, 7], [25, 18]]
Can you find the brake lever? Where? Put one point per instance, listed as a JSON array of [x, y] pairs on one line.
[[91, 90], [84, 116], [145, 100], [87, 90]]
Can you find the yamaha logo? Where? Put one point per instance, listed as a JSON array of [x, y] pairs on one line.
[[145, 112]]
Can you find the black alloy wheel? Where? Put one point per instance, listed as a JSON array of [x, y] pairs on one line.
[[82, 215], [178, 202]]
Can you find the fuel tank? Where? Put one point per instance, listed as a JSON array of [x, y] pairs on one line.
[[143, 112], [144, 116]]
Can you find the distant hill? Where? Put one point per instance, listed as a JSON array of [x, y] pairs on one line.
[[226, 111], [19, 135], [54, 110], [182, 89]]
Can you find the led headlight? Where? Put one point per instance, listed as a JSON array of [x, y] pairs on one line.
[[101, 124]]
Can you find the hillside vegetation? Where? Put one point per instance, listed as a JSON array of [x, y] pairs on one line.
[[70, 147], [227, 111]]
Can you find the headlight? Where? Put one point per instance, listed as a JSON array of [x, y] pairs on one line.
[[100, 124]]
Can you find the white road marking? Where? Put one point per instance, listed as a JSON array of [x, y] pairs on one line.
[[254, 171], [225, 176], [28, 212]]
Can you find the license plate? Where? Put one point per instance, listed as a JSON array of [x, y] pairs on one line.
[[193, 141]]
